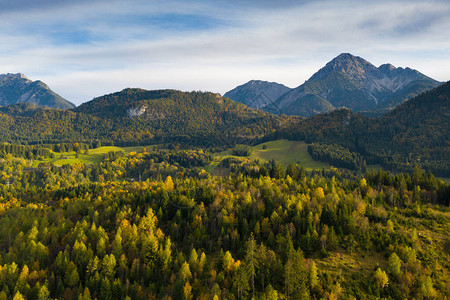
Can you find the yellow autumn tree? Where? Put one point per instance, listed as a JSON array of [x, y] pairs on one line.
[[168, 183]]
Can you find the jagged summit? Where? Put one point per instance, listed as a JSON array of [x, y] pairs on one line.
[[351, 81], [17, 88], [346, 61], [348, 64]]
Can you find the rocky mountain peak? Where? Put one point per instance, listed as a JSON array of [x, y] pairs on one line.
[[346, 81], [17, 88], [386, 67], [255, 82], [347, 57], [346, 63]]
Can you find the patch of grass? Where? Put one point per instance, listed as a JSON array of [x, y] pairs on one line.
[[374, 167], [287, 152], [283, 151], [93, 156], [343, 261]]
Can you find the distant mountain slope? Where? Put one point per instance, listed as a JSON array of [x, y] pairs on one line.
[[352, 82], [257, 93], [308, 105], [16, 88]]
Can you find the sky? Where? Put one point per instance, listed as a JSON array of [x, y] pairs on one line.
[[87, 48]]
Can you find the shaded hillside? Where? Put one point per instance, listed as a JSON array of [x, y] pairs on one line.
[[307, 106], [417, 132]]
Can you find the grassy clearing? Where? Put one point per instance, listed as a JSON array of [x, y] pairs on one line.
[[286, 152], [374, 167], [283, 151], [93, 156], [344, 262]]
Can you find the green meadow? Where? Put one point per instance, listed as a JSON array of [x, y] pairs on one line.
[[93, 156], [283, 151], [287, 152]]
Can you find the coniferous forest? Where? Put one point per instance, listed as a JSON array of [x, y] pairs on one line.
[[186, 211], [156, 225]]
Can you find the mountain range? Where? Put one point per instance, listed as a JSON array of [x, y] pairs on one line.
[[17, 88], [346, 81]]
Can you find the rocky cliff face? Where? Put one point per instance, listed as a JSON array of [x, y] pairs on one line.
[[17, 88]]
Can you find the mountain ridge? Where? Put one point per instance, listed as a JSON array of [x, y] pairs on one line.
[[416, 132], [17, 88]]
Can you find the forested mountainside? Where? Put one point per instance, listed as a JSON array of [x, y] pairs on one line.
[[135, 116], [415, 133]]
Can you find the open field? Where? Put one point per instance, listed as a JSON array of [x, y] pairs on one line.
[[283, 151], [93, 156], [286, 152]]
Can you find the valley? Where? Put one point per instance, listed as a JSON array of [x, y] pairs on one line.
[[92, 220]]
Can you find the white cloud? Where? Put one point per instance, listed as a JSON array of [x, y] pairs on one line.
[[286, 44]]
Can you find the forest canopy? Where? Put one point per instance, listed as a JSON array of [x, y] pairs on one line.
[[155, 224]]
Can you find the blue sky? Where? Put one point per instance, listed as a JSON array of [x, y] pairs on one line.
[[83, 49]]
